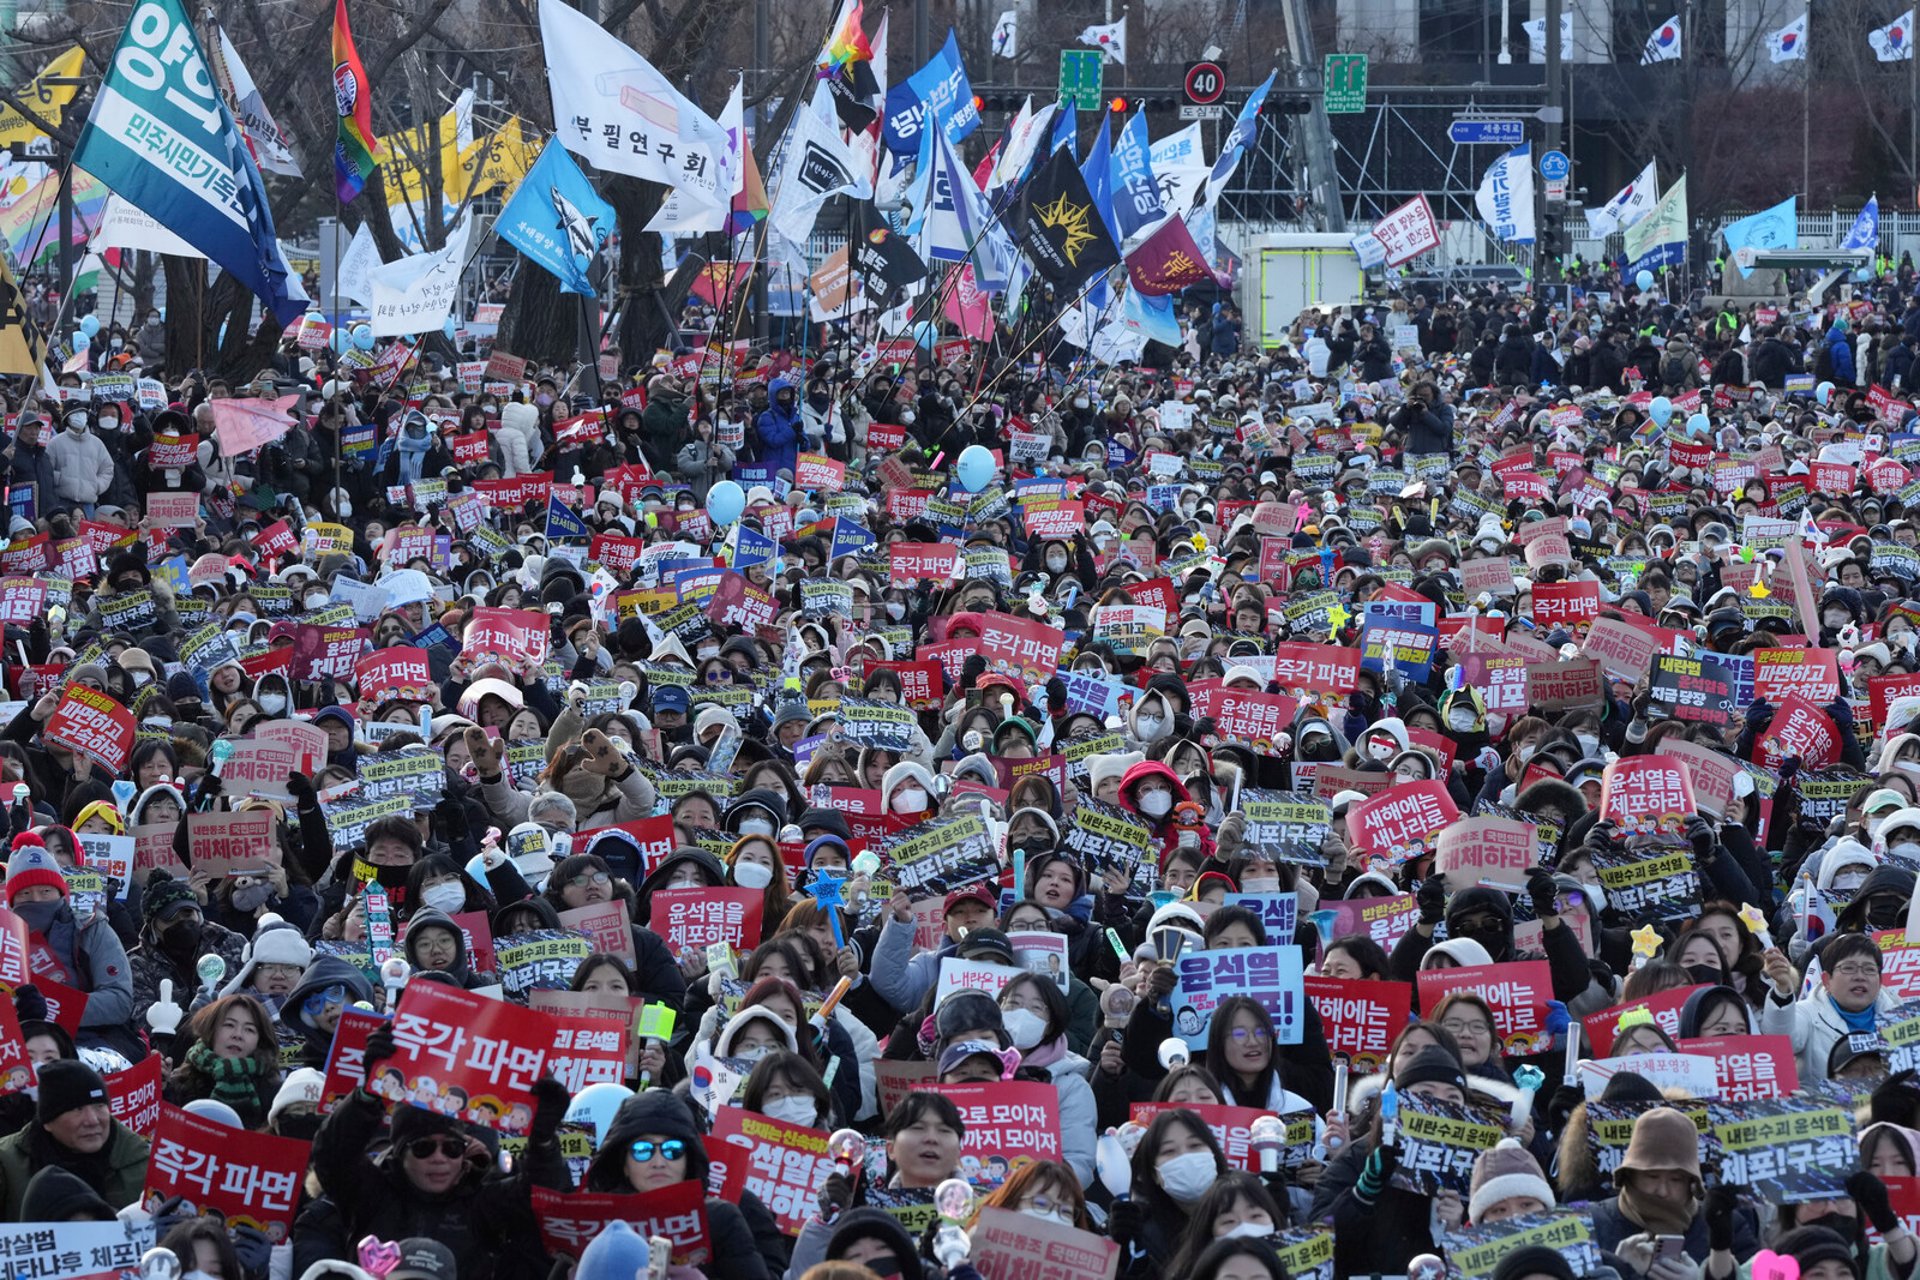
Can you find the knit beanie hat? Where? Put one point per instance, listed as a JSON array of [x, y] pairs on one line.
[[300, 1086], [1811, 1246], [1534, 1260], [1434, 1063], [32, 865], [1508, 1170], [1663, 1139], [966, 1011], [67, 1085], [164, 896]]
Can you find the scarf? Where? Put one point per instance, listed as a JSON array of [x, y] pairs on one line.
[[235, 1080], [94, 1170], [1658, 1216], [1045, 1055]]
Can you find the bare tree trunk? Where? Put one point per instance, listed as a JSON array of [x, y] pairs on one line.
[[143, 269], [643, 320], [188, 341], [539, 322]]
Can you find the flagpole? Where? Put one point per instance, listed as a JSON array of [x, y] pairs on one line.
[[1806, 115]]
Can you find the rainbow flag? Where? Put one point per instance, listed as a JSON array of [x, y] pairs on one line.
[[846, 64], [356, 153], [847, 44], [749, 207]]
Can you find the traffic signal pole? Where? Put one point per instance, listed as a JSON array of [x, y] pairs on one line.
[[1323, 174]]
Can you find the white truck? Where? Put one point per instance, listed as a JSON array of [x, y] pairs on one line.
[[1297, 270]]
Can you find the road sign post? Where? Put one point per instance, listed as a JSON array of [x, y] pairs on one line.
[[1343, 79], [1080, 72]]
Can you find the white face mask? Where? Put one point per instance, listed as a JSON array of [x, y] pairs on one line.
[[1460, 719], [450, 897], [1186, 1178], [1248, 1231], [1906, 849], [1025, 1026], [1056, 564], [1156, 804], [1847, 881], [795, 1108], [1079, 402], [755, 827], [754, 1054], [1589, 745], [1526, 753], [912, 800], [896, 609], [752, 875], [1260, 884], [1150, 727], [271, 703], [317, 600]]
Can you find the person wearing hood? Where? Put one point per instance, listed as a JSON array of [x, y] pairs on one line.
[[1485, 916], [663, 422], [1154, 793], [1848, 999], [778, 431], [73, 1129], [1716, 1011], [433, 943], [654, 1143], [312, 1009], [84, 954], [437, 1177]]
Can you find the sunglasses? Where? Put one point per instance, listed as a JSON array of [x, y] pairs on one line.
[[671, 1149], [720, 677], [451, 1147]]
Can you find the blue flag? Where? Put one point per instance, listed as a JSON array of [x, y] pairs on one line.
[[1150, 315], [750, 548], [1136, 196], [557, 219], [849, 537], [1775, 228], [563, 523], [1244, 127], [1866, 228], [1066, 130], [1097, 169], [939, 88], [160, 137]]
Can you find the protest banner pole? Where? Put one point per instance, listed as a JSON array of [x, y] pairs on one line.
[[1014, 362]]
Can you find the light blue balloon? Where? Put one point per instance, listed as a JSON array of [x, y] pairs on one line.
[[725, 502], [1823, 393], [925, 334], [363, 337], [339, 341], [1644, 279], [89, 325], [975, 468], [80, 340], [1698, 425], [447, 328], [1660, 409]]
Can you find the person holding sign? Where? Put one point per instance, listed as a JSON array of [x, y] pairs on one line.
[[83, 954], [1175, 1163], [1660, 1195]]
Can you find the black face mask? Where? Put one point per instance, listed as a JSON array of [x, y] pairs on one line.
[[1707, 973], [1844, 1225], [302, 1128], [1491, 936], [1885, 911], [390, 878], [182, 938]]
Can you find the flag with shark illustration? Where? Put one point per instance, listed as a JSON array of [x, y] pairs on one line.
[[557, 219]]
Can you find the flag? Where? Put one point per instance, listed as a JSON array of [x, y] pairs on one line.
[[1245, 125], [958, 223], [1865, 233], [1057, 227], [1789, 43], [1629, 204], [48, 101], [355, 153], [940, 89], [1022, 143], [265, 138], [1167, 261], [692, 217], [1777, 227], [1006, 35], [354, 276], [417, 293], [849, 537], [1150, 316], [603, 89], [1066, 130], [846, 64], [1660, 239], [557, 219], [22, 346], [1111, 39], [1536, 29], [1664, 44], [815, 165], [163, 140], [1505, 197], [883, 260], [124, 227], [1098, 172], [429, 155], [1136, 196], [563, 522], [1893, 42]]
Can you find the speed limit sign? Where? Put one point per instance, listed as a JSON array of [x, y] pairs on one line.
[[1205, 83]]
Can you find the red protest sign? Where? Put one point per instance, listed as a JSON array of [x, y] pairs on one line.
[[816, 471], [173, 453], [616, 553], [921, 685], [696, 917], [1249, 718], [1559, 686], [1799, 729], [323, 653], [1360, 1016], [1401, 822], [785, 1165], [153, 847], [1016, 645], [917, 564], [518, 637], [1009, 1123], [261, 767], [222, 843], [16, 1070], [569, 1222], [1883, 691], [94, 725], [469, 450], [1517, 992], [347, 1057], [276, 539], [1562, 604], [1712, 773], [252, 1178], [1812, 673], [399, 674], [133, 1095], [1322, 668], [1663, 1006], [1232, 1127], [1622, 650], [605, 925], [1487, 851], [1748, 1067], [1836, 478], [1009, 1243], [1647, 794]]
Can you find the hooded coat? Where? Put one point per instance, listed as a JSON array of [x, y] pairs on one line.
[[778, 429], [324, 972], [430, 918], [1565, 959]]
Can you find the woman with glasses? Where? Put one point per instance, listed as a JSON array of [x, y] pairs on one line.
[[1240, 1053], [653, 1143], [586, 880]]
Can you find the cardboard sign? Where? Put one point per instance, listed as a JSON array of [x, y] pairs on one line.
[[699, 917], [1360, 1017], [1750, 1066], [1272, 976], [1487, 851], [1645, 794], [93, 724], [1401, 822], [252, 1178], [1008, 1123], [1517, 991], [1013, 1244], [570, 1221], [222, 844], [1623, 650], [1439, 1143], [1565, 686], [153, 847], [784, 1165]]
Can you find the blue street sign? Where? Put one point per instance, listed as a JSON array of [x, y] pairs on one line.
[[1554, 166], [1495, 133]]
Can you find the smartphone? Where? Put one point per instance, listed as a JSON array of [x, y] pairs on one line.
[[1669, 1248]]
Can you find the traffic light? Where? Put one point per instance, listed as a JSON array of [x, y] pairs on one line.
[[1295, 104], [979, 103], [1118, 106]]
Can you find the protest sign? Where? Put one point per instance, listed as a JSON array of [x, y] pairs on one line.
[[1663, 1007], [571, 1221], [1401, 822], [1245, 718], [153, 847], [539, 958], [1036, 951], [1286, 827], [939, 854], [1408, 646], [75, 1250], [1623, 650], [346, 1067], [1565, 685], [1712, 773], [1812, 673], [1360, 1017], [698, 917], [1475, 1252], [133, 1095], [1610, 1131], [1009, 1123], [783, 1165], [415, 774], [605, 925], [1385, 920], [1271, 975], [1320, 668], [895, 1080], [1486, 851], [1799, 729], [517, 637], [957, 975], [252, 1178], [1232, 1128], [1748, 1066], [1439, 1142], [1013, 1244], [1784, 1149], [1279, 912], [93, 724], [222, 844], [1563, 604], [1647, 794], [396, 674], [1517, 991], [1652, 883], [1692, 1073], [881, 725], [326, 653]]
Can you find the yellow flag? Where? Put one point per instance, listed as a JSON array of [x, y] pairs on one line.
[[501, 159], [411, 154], [22, 347], [46, 100]]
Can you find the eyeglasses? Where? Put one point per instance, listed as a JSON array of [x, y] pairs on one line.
[[586, 878], [671, 1149], [1464, 1027], [1856, 969], [446, 1144], [1252, 1033]]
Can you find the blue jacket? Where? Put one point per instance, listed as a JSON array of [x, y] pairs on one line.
[[1840, 352], [1226, 337], [778, 429]]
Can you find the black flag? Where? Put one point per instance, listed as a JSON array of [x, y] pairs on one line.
[[880, 256], [1058, 227]]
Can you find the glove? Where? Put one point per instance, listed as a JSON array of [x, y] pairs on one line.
[[1871, 1195], [1700, 835], [380, 1046], [1560, 1104], [28, 1004], [252, 1248], [1123, 1221], [1721, 1202], [971, 670], [1381, 1163], [450, 817], [1542, 891], [1432, 899], [163, 1015], [1896, 1099], [170, 1213], [300, 787], [1840, 711], [836, 1193], [1759, 716], [550, 1099]]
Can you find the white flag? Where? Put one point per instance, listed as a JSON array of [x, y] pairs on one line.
[[1893, 42], [1536, 29], [265, 138], [1630, 204], [355, 272], [814, 167], [1006, 35], [1025, 135], [1664, 44], [615, 111], [124, 227], [1505, 197], [417, 293], [691, 217], [1789, 43], [1111, 39]]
